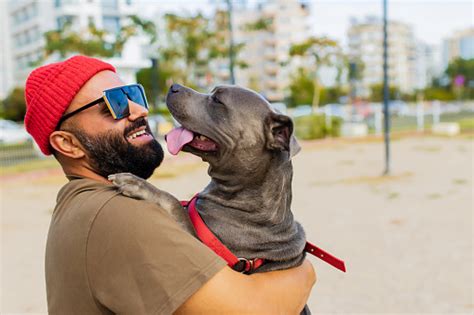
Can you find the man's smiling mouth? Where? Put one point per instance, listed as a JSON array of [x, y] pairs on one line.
[[140, 134]]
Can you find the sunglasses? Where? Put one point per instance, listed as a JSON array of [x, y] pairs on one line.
[[116, 100]]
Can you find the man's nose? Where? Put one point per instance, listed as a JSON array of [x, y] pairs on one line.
[[136, 111]]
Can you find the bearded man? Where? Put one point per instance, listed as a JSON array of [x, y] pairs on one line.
[[110, 254]]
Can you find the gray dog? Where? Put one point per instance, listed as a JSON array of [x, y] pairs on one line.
[[249, 147]]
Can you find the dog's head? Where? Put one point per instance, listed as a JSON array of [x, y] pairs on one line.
[[232, 128]]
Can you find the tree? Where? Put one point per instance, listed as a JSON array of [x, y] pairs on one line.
[[461, 74], [191, 46], [91, 42], [163, 73], [376, 92], [324, 51], [14, 106], [301, 88], [461, 67]]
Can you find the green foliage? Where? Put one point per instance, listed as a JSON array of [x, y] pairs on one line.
[[376, 93], [310, 127], [314, 127], [14, 106], [148, 28], [92, 42], [464, 67], [163, 73], [325, 52], [331, 95], [262, 24], [301, 88], [438, 93], [467, 124], [336, 124], [356, 69], [322, 48]]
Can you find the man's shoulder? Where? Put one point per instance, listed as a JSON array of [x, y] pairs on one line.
[[87, 198], [93, 191]]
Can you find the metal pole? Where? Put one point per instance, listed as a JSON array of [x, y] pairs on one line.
[[386, 91], [231, 42], [154, 83]]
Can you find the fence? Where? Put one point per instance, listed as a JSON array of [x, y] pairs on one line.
[[11, 154], [404, 117]]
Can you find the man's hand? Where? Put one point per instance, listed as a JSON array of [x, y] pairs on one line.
[[274, 292]]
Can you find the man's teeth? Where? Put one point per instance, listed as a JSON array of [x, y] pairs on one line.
[[136, 134]]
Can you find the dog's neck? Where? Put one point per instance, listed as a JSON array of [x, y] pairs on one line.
[[252, 216], [264, 197]]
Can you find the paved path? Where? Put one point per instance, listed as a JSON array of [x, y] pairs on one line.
[[407, 239]]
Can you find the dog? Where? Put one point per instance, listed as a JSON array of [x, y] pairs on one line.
[[249, 148]]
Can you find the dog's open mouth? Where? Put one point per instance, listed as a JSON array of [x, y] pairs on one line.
[[177, 138]]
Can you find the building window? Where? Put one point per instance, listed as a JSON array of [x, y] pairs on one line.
[[110, 4], [63, 20], [111, 24]]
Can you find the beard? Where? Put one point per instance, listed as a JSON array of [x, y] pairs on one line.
[[110, 153]]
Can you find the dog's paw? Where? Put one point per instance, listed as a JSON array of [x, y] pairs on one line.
[[120, 179], [131, 186]]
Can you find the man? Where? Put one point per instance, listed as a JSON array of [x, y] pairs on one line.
[[107, 253]]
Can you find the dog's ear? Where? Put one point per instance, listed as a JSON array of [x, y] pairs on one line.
[[279, 133]]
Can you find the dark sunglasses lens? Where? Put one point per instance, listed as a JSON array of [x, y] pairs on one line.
[[119, 103], [135, 94]]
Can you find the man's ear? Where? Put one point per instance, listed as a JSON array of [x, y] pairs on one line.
[[279, 134], [67, 144]]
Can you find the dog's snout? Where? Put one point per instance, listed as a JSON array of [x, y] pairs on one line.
[[175, 88]]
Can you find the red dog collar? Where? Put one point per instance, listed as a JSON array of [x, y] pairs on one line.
[[244, 264]]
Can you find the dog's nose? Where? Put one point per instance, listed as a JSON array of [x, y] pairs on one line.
[[175, 88]]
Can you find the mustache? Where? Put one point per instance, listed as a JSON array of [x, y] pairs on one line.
[[135, 125]]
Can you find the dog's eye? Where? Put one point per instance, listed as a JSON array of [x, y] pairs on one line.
[[216, 100]]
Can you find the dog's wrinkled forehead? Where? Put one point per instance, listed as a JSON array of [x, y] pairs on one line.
[[241, 98]]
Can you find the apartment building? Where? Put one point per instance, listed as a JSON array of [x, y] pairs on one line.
[[266, 52], [365, 39], [30, 19], [459, 45], [6, 75]]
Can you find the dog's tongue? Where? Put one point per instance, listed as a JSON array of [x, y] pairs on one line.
[[177, 138]]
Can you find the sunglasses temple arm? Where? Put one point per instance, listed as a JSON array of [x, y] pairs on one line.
[[63, 118]]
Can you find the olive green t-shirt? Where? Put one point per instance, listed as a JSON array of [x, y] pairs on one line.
[[107, 253]]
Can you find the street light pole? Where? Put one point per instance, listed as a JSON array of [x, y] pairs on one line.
[[231, 42], [386, 91], [154, 83]]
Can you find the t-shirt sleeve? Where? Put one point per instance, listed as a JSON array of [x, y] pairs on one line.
[[140, 261]]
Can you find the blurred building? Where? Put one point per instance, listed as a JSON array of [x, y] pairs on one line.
[[30, 19], [266, 51], [428, 64], [6, 74], [365, 39], [459, 45]]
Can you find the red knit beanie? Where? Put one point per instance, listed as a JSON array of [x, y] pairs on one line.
[[50, 89]]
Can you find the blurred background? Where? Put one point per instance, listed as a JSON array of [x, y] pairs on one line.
[[405, 231]]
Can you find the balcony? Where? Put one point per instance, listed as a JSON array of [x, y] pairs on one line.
[[271, 68]]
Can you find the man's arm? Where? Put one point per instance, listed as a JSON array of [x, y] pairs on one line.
[[275, 292]]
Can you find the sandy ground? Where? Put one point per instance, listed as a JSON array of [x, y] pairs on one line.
[[407, 239]]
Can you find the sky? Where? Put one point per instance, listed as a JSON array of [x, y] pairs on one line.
[[432, 20]]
